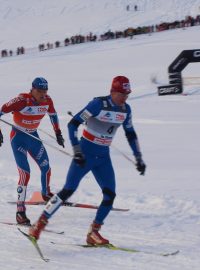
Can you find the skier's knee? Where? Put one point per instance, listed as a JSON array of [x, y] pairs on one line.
[[64, 194], [108, 197]]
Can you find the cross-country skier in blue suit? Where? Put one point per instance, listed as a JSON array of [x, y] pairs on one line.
[[102, 116]]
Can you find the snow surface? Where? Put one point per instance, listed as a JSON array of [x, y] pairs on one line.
[[165, 203]]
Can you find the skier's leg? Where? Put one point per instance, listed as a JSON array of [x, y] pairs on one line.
[[39, 154], [105, 177], [74, 176], [20, 154]]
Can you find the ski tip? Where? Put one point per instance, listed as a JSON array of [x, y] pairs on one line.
[[171, 254], [121, 209], [46, 259], [61, 232], [11, 202], [24, 233], [19, 229], [33, 240]]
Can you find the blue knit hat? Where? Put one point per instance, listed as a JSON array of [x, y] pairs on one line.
[[40, 83]]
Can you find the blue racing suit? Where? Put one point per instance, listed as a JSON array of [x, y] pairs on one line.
[[102, 118]]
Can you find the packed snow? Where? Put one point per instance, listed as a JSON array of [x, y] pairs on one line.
[[165, 203]]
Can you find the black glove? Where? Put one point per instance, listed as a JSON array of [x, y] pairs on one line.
[[1, 138], [141, 167], [47, 197], [60, 139], [79, 157]]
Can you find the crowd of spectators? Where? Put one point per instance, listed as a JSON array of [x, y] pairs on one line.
[[68, 41], [5, 53], [129, 32]]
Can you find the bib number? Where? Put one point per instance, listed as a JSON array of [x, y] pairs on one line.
[[110, 130]]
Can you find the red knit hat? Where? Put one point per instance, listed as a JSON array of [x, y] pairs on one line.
[[121, 84]]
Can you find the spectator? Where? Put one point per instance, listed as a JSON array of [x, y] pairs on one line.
[[57, 44]]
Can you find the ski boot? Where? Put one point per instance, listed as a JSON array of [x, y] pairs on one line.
[[47, 197], [22, 219], [94, 237], [36, 229]]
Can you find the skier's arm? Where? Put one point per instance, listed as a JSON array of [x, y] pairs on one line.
[[55, 123], [90, 110], [133, 142], [132, 136], [14, 105], [53, 116]]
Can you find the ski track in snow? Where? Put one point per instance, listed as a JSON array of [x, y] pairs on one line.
[[171, 220]]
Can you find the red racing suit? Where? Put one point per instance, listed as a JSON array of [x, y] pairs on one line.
[[27, 114]]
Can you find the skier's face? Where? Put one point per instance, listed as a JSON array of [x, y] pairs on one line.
[[119, 98], [38, 94]]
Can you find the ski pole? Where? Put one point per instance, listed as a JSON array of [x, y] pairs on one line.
[[124, 155], [116, 148], [45, 132], [44, 142]]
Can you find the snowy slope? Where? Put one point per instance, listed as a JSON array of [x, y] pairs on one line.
[[165, 203], [27, 23]]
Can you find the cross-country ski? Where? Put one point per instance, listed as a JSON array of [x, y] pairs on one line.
[[27, 226], [35, 245], [125, 249]]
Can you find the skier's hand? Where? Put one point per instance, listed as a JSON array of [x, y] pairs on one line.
[[79, 157], [60, 139], [140, 165], [1, 138]]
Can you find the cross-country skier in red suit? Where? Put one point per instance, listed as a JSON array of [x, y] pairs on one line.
[[28, 109]]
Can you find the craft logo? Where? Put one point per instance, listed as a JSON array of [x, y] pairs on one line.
[[42, 109], [120, 117]]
